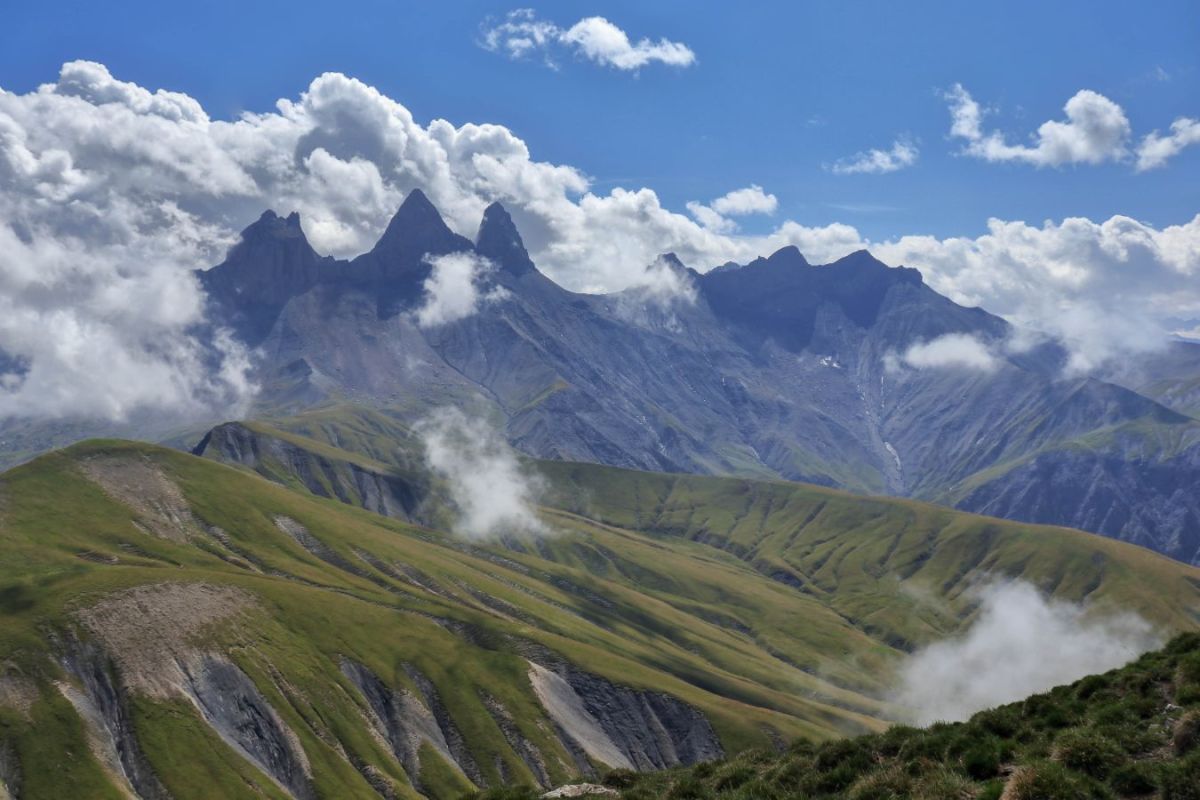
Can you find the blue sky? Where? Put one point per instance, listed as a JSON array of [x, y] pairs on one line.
[[137, 139], [779, 91]]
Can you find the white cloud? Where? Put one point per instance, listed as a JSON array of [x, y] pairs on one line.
[[494, 493], [521, 33], [1020, 644], [1103, 288], [1096, 130], [655, 298], [903, 153], [953, 350], [455, 289], [114, 193], [737, 203], [1156, 150]]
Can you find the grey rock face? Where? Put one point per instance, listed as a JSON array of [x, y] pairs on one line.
[[105, 706], [232, 704], [390, 495], [775, 368], [406, 722]]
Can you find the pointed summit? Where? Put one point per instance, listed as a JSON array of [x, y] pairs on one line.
[[418, 229], [499, 240], [272, 263], [788, 255]]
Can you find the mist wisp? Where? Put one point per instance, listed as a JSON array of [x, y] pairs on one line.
[[493, 492], [1020, 644]]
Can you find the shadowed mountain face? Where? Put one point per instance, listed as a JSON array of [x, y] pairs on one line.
[[774, 368]]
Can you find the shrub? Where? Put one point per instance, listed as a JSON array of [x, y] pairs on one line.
[[1086, 751], [1133, 780], [620, 778], [884, 783], [942, 784], [689, 788], [1046, 780], [1187, 733], [1187, 680], [1090, 686], [982, 759], [1181, 779], [734, 777]]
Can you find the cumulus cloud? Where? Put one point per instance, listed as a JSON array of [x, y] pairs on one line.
[[1021, 643], [456, 288], [494, 493], [737, 203], [903, 153], [522, 33], [1103, 288], [100, 316], [113, 193], [1156, 150], [1095, 130], [953, 350]]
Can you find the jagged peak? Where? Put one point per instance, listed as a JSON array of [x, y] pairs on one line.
[[499, 240], [270, 225], [417, 226]]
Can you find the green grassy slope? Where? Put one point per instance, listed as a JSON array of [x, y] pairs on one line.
[[777, 611], [464, 619]]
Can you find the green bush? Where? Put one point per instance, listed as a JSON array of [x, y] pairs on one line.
[[1133, 780], [1086, 751], [1186, 735], [943, 784], [1046, 780], [619, 778], [885, 783], [1181, 779], [982, 759]]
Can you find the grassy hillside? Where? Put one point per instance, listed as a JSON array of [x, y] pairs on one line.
[[1131, 732], [181, 627]]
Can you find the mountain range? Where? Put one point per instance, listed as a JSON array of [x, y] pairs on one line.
[[775, 368]]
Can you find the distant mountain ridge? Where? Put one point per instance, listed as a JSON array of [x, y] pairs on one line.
[[773, 368]]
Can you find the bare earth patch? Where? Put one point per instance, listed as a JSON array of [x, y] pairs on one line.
[[140, 484], [149, 630], [17, 692]]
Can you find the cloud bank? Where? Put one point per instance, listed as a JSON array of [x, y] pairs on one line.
[[903, 153], [1020, 644], [522, 33], [455, 289], [113, 193], [494, 493]]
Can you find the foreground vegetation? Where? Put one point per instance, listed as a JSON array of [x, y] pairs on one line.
[[1132, 732]]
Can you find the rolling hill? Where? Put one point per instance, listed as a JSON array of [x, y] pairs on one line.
[[175, 627]]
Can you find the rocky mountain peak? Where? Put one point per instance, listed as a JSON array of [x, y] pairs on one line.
[[499, 240], [272, 226], [417, 229], [789, 256]]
